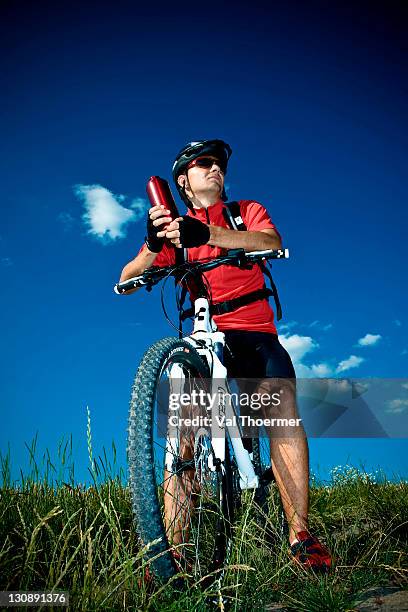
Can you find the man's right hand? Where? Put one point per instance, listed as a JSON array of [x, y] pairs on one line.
[[158, 217]]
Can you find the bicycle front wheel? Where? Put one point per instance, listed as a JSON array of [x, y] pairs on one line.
[[180, 496]]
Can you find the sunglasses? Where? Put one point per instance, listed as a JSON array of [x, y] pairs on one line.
[[207, 162]]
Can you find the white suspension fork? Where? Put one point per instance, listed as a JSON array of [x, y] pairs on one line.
[[176, 385], [223, 416]]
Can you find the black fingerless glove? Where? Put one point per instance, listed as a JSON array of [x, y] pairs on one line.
[[152, 242], [193, 233]]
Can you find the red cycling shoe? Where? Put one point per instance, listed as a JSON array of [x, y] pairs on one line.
[[181, 562], [310, 553]]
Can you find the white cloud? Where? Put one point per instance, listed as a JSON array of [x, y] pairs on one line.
[[288, 325], [297, 347], [340, 385], [318, 325], [397, 406], [104, 215], [316, 370], [351, 362], [321, 370], [369, 340]]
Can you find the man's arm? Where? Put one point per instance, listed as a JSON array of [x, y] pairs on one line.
[[158, 217], [231, 239], [138, 265], [249, 241]]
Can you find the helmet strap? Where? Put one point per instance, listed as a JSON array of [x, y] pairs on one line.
[[185, 198]]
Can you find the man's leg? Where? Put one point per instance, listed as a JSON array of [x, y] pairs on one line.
[[178, 505], [260, 355], [179, 490], [289, 452], [290, 463]]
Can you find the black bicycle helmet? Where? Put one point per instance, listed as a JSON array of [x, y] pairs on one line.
[[192, 150]]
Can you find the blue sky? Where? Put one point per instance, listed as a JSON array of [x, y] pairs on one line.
[[97, 98]]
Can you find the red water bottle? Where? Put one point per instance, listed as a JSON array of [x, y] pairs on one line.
[[158, 191]]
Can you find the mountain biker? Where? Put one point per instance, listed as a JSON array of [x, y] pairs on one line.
[[251, 336]]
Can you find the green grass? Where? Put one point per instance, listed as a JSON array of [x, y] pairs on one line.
[[55, 534]]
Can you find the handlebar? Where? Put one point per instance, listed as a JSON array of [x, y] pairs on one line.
[[234, 257]]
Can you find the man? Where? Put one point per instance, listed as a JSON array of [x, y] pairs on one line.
[[251, 337]]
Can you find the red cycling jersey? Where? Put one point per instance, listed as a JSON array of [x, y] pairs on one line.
[[229, 282]]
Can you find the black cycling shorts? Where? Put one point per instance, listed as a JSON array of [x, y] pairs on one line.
[[249, 354]]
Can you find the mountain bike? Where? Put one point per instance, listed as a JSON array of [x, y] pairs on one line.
[[188, 460]]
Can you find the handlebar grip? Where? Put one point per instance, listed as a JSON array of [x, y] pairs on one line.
[[132, 283], [280, 254], [268, 254]]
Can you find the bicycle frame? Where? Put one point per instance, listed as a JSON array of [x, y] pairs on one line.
[[209, 342]]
